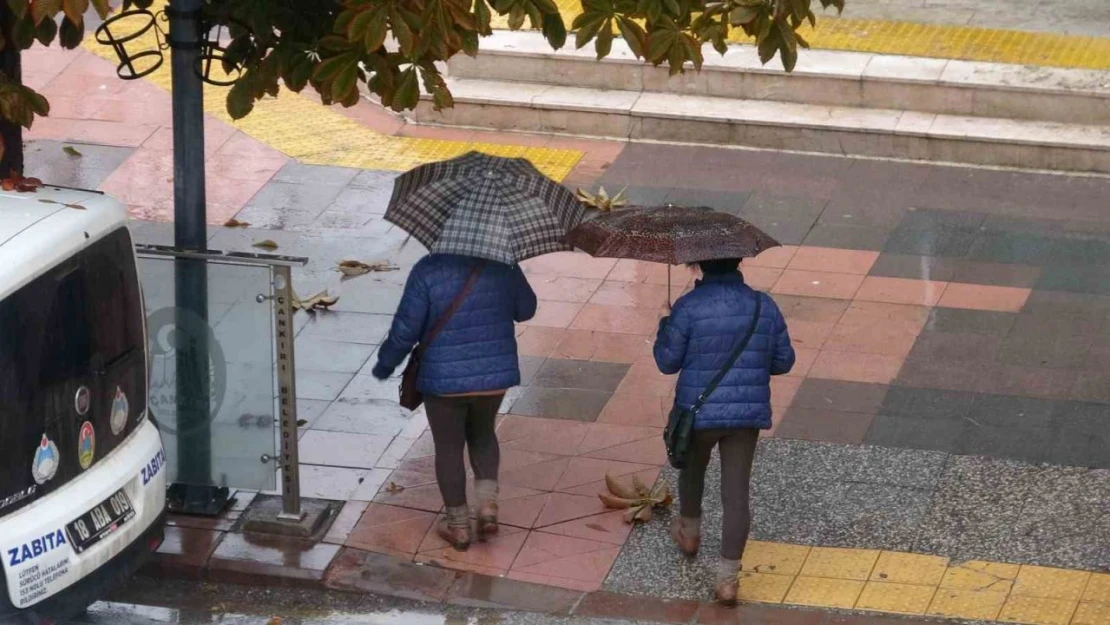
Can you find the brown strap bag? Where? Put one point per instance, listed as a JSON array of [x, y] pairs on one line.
[[410, 397]]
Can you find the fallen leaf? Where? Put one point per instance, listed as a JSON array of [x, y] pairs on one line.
[[612, 501], [619, 489], [354, 268], [274, 620], [394, 488], [302, 422], [235, 223], [266, 244], [320, 300], [72, 151], [644, 515], [639, 487]]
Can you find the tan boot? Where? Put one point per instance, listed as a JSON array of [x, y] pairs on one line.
[[726, 593], [455, 528], [487, 520], [687, 544]]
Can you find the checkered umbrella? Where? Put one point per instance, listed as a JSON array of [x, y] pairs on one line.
[[501, 209]]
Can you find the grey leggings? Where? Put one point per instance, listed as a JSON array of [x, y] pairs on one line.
[[458, 422], [737, 453]]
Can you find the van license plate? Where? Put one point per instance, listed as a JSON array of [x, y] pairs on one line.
[[102, 521]]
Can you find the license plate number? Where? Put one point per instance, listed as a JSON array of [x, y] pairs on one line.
[[101, 521]]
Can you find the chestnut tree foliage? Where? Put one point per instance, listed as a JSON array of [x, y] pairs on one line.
[[392, 46]]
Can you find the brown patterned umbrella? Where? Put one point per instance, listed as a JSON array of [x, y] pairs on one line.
[[673, 235]]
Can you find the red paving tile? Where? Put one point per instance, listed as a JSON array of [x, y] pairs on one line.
[[635, 409], [494, 555], [808, 334], [564, 289], [622, 319], [783, 390], [615, 293], [901, 291], [639, 271], [608, 527], [391, 529], [649, 451], [537, 340], [552, 436], [91, 131], [560, 582], [569, 264], [803, 361], [522, 511], [540, 476], [582, 470], [982, 297], [774, 258], [876, 328], [566, 557], [563, 507], [647, 388], [811, 309], [856, 367], [603, 346], [762, 278], [647, 476], [555, 315], [818, 284], [601, 436], [833, 260]]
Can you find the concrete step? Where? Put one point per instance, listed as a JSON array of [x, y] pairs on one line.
[[671, 117], [842, 79]]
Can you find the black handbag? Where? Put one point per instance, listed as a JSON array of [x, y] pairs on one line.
[[679, 433]]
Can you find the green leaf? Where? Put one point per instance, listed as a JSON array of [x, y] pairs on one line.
[[672, 7], [692, 50], [23, 32], [604, 44], [72, 151], [788, 46], [676, 58], [70, 34], [516, 16], [408, 91], [376, 32], [359, 24], [46, 32], [42, 9], [37, 102], [19, 7], [588, 29], [801, 40], [345, 82], [75, 10], [546, 6], [103, 8], [633, 35], [470, 43], [240, 100], [403, 34], [659, 44], [769, 46], [743, 15], [554, 30], [482, 15], [328, 69]]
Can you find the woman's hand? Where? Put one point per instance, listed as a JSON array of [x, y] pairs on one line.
[[381, 371]]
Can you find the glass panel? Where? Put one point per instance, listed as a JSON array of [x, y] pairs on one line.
[[235, 445]]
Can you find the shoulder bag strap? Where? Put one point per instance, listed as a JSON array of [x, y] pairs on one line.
[[454, 307], [740, 347]]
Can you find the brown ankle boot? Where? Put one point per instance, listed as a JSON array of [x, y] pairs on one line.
[[687, 544], [487, 519], [458, 537], [726, 593]]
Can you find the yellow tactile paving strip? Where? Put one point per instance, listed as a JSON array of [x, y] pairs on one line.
[[945, 41], [317, 135], [914, 584]]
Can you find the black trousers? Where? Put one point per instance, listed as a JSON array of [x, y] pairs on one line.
[[459, 423], [737, 448]]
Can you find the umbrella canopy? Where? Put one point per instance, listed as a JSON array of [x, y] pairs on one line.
[[501, 209], [670, 234]]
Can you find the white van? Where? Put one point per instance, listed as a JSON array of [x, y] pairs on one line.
[[82, 485]]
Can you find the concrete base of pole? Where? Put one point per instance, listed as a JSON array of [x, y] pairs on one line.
[[264, 516]]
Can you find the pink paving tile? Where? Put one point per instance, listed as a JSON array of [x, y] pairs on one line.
[[828, 259], [983, 297], [647, 451], [803, 361], [884, 337], [389, 529], [901, 291], [646, 388], [522, 511], [91, 131], [645, 369], [856, 367], [818, 284], [426, 497], [635, 409], [621, 319], [603, 346], [562, 507], [216, 133], [761, 278], [42, 65], [615, 293], [497, 552], [518, 458], [608, 527], [537, 340], [566, 557], [783, 390], [592, 489], [551, 436], [564, 289], [808, 334], [650, 273], [600, 436], [812, 309], [243, 145], [555, 315], [559, 582], [774, 258], [570, 264], [540, 476], [584, 470]]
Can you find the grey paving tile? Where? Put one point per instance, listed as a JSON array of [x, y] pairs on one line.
[[351, 327], [769, 205], [848, 237], [1045, 350], [914, 267], [1016, 441], [1028, 381], [299, 173], [334, 356], [872, 516], [1074, 414], [726, 201], [785, 231], [369, 202], [374, 179], [558, 373], [642, 195], [959, 321], [288, 205], [1075, 279], [1010, 411], [1082, 445], [817, 424], [529, 367], [1013, 247], [956, 347], [949, 375], [1049, 302], [841, 396], [862, 207], [1081, 249], [309, 410], [48, 160], [933, 219], [323, 385], [151, 232], [906, 432], [927, 404], [996, 274], [369, 416], [945, 241], [561, 403]]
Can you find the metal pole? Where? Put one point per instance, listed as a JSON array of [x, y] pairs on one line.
[[195, 492], [287, 396]]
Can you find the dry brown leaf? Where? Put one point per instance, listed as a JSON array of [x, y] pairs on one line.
[[618, 489], [612, 501], [643, 515], [77, 206], [316, 302], [629, 515], [641, 489], [71, 151], [275, 620], [394, 488], [266, 244], [354, 268], [235, 223]]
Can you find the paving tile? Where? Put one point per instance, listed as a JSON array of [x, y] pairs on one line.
[[642, 272], [951, 375], [564, 289], [570, 264], [542, 476], [895, 598], [185, 551], [1090, 613], [1028, 382], [956, 320], [390, 529], [621, 319], [824, 593], [909, 568], [811, 309], [555, 582], [981, 297], [832, 260], [774, 558], [892, 431], [347, 519], [978, 575], [996, 274], [818, 284], [551, 314], [956, 347], [601, 605], [1050, 583], [336, 483], [580, 374], [726, 201], [347, 327], [856, 367], [334, 356], [824, 425], [358, 414], [636, 410], [875, 328], [298, 173], [977, 605], [562, 403], [565, 557], [241, 557], [840, 396], [901, 291], [713, 614], [914, 267], [847, 237], [1013, 247], [944, 241], [1037, 611], [927, 404], [538, 341], [608, 527], [496, 552], [342, 449], [549, 436], [1017, 441], [583, 470], [603, 346], [321, 385]]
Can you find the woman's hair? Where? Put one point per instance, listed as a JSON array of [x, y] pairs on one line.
[[716, 267]]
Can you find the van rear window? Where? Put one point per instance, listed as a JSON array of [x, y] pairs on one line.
[[76, 330]]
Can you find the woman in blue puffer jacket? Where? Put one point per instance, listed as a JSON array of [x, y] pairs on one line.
[[696, 341], [464, 372]]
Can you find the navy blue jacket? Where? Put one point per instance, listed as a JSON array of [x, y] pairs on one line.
[[703, 329], [476, 351]]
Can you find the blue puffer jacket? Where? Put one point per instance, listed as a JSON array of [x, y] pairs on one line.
[[700, 334], [476, 351]]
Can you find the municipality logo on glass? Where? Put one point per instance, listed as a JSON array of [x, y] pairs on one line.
[[45, 464]]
